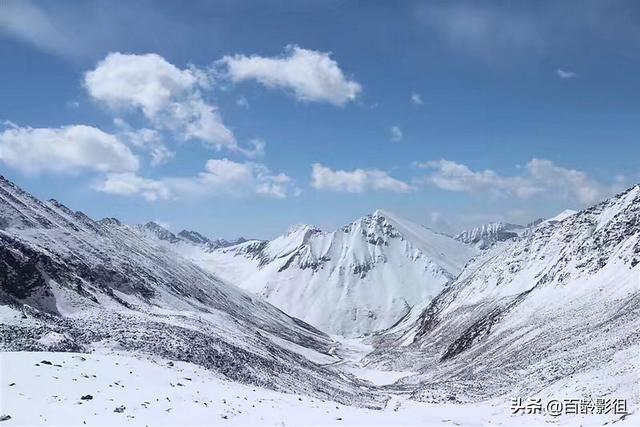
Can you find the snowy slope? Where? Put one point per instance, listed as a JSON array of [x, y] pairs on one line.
[[560, 217], [556, 310], [86, 285], [116, 389], [352, 281]]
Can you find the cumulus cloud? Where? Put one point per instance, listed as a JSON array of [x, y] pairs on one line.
[[309, 74], [145, 81], [220, 176], [416, 99], [396, 134], [541, 177], [64, 150], [168, 96], [355, 181], [130, 184], [565, 74]]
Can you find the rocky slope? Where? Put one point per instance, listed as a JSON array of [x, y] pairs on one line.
[[352, 281], [185, 240], [70, 283], [554, 310]]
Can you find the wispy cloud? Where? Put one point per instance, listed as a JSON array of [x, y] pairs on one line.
[[416, 99], [23, 20], [395, 134], [497, 31], [242, 102], [565, 74]]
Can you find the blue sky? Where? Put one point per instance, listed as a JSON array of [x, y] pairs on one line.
[[212, 115]]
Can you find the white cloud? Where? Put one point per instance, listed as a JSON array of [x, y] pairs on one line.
[[540, 177], [355, 181], [145, 81], [220, 176], [258, 148], [146, 139], [309, 74], [569, 183], [453, 176], [64, 150], [168, 96], [130, 184], [396, 134], [160, 155], [201, 121], [416, 99], [226, 174], [565, 74]]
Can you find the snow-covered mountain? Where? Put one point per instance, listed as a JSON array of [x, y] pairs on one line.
[[487, 235], [73, 284], [557, 218], [186, 239], [352, 281], [554, 312]]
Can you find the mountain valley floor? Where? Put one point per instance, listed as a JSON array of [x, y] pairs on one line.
[[115, 388]]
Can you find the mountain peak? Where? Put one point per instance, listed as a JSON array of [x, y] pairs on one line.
[[380, 212], [301, 228], [110, 221], [369, 272], [155, 229], [194, 236]]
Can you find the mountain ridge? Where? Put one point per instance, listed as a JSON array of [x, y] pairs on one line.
[[533, 314], [78, 284]]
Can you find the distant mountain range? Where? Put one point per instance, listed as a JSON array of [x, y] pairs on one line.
[[188, 237], [487, 235]]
